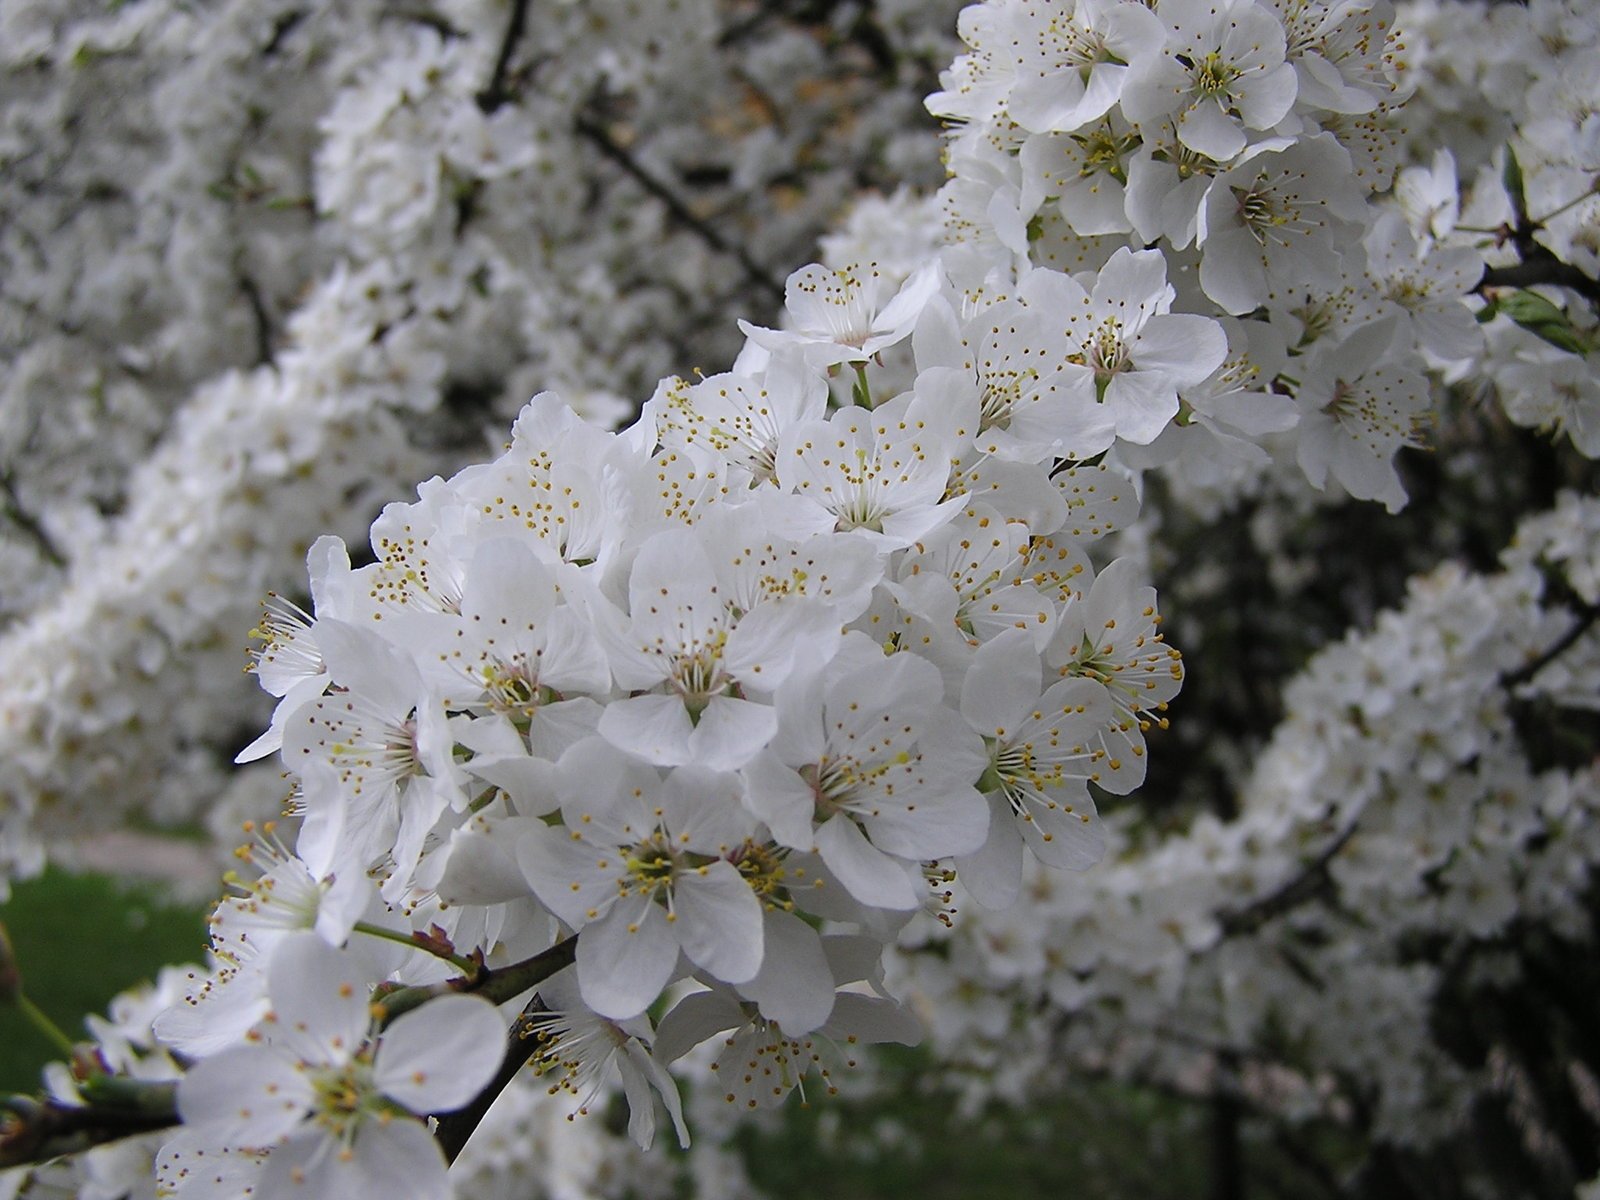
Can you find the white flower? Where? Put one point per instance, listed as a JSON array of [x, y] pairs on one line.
[[760, 1060], [1360, 400], [879, 474], [1427, 285], [582, 1054], [1042, 746], [329, 1104], [1110, 636], [872, 772], [846, 314], [641, 869], [689, 650], [383, 735], [1222, 72], [1547, 388], [1084, 174], [1273, 224], [1073, 60], [741, 417], [1131, 355]]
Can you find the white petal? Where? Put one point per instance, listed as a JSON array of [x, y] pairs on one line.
[[719, 921], [625, 959], [320, 996], [795, 986], [731, 732], [251, 1096], [1002, 684], [694, 1019], [993, 872], [867, 873], [654, 728], [436, 1058]]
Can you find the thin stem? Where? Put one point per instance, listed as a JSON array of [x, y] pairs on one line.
[[1587, 615], [607, 145], [1294, 891], [465, 965], [40, 1021], [495, 92], [498, 985], [11, 505], [1573, 203], [863, 390]]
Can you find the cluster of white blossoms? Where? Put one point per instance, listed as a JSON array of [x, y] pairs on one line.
[[264, 265], [1401, 804], [665, 736], [677, 695]]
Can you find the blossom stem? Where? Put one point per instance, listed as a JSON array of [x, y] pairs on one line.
[[862, 390], [1556, 212], [37, 1018], [498, 985], [415, 942]]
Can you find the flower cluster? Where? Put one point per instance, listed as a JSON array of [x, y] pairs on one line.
[[1246, 140], [264, 268], [667, 735], [1400, 804], [669, 698]]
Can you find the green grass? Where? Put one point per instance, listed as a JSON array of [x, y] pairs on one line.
[[1101, 1140], [79, 940]]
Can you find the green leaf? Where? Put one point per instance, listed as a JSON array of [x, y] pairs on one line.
[[1545, 320]]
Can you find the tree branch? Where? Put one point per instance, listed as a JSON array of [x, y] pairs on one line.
[[496, 92], [1288, 895], [456, 1129], [1538, 268], [1588, 614], [11, 505], [680, 212], [34, 1131]]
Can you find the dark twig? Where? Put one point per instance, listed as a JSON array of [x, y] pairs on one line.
[[34, 1131], [1291, 893], [261, 318], [1588, 614], [607, 145], [15, 512], [1538, 268], [496, 92]]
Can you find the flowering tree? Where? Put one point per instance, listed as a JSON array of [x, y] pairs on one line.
[[765, 727]]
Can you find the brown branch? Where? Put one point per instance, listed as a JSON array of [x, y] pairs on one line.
[[1588, 614], [15, 512], [680, 212], [35, 1131], [1290, 894], [1542, 267], [496, 92], [261, 319], [456, 1129]]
